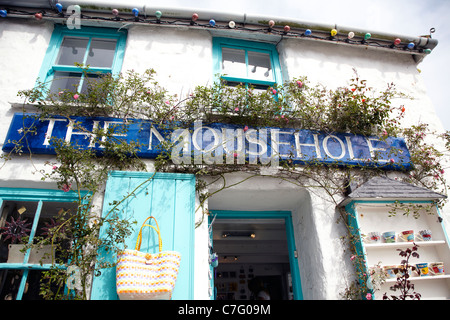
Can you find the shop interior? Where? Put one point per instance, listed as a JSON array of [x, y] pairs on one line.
[[253, 256]]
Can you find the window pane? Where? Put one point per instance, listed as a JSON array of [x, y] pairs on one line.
[[259, 66], [52, 215], [52, 226], [72, 51], [233, 62], [65, 80], [259, 88], [16, 221], [32, 288], [88, 81], [101, 53], [9, 283], [233, 84]]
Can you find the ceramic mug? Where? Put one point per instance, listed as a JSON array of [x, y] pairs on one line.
[[423, 269], [437, 268], [401, 272], [389, 236], [424, 235], [374, 237], [407, 235], [390, 271]]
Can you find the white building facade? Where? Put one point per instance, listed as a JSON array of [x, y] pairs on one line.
[[301, 254]]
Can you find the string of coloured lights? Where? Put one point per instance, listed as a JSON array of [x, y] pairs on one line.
[[271, 27]]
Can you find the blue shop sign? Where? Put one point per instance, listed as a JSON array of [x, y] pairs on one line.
[[213, 143]]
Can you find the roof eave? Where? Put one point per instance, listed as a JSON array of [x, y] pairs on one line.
[[147, 8], [349, 200]]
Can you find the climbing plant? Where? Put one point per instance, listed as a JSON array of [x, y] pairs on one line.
[[354, 108]]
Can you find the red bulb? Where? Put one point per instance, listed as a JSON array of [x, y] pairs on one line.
[[397, 41], [287, 28], [194, 17], [38, 15]]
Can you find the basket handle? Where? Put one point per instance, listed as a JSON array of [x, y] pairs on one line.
[[139, 239]]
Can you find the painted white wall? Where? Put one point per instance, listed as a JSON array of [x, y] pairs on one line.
[[22, 49], [182, 58], [23, 46], [332, 66]]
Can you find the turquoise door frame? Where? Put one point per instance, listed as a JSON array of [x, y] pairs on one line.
[[287, 216]]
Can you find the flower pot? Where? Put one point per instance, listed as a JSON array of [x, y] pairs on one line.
[[37, 255]]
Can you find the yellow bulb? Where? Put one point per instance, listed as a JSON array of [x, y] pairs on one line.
[[333, 32]]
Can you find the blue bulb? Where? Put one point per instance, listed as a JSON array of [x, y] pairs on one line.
[[135, 11], [3, 13], [59, 7], [212, 23], [411, 45], [307, 32]]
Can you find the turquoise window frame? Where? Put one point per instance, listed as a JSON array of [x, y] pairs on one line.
[[219, 43], [287, 216], [49, 66], [40, 196]]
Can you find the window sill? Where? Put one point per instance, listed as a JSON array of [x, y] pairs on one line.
[[29, 266], [25, 106]]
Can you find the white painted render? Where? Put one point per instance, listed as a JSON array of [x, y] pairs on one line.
[[182, 58]]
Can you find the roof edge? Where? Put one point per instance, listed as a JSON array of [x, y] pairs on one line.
[[148, 8]]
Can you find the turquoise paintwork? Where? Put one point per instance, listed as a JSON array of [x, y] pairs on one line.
[[219, 43], [170, 198], [40, 196], [49, 67]]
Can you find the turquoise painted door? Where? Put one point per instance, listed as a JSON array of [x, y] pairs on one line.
[[170, 198]]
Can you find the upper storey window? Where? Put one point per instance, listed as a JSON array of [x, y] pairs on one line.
[[245, 62], [99, 49]]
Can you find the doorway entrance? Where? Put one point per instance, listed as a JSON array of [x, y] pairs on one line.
[[257, 257]]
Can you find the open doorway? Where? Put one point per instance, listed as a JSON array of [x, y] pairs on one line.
[[256, 257]]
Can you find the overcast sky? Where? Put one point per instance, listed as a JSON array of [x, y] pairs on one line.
[[404, 17]]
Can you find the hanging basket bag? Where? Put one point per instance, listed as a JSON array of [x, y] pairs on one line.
[[146, 276]]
